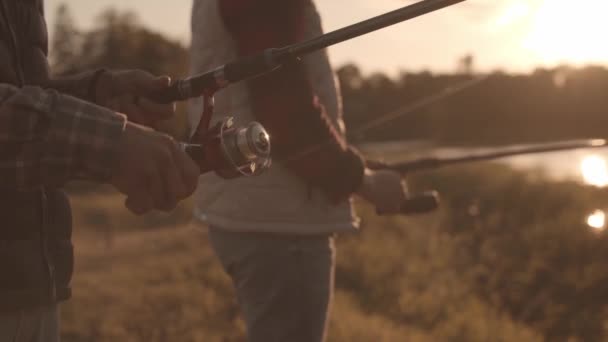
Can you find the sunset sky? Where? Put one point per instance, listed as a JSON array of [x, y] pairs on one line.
[[514, 35]]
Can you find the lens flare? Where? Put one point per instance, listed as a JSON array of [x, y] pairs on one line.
[[595, 171], [597, 220]]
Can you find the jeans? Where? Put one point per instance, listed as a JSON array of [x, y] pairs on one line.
[[32, 325], [283, 282]]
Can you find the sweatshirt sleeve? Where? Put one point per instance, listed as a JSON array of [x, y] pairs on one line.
[[304, 139]]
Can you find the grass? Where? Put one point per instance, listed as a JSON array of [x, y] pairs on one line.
[[498, 273]]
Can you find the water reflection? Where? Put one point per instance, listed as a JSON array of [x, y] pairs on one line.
[[595, 171], [597, 220]]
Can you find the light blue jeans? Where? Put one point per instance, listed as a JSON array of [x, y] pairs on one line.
[[283, 282], [33, 325]]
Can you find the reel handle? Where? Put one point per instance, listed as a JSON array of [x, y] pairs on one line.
[[214, 80]]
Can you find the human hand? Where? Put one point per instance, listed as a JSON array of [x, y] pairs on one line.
[[153, 171], [129, 91], [385, 189]]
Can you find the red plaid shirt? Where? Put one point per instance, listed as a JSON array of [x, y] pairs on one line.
[[284, 101], [47, 138]]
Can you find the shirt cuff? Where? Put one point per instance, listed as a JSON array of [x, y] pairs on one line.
[[87, 135], [82, 86]]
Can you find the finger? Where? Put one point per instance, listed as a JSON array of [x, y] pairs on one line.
[[175, 189], [156, 188], [166, 205], [398, 198], [189, 170], [403, 191], [404, 186], [146, 83], [139, 206], [133, 112], [155, 110], [114, 104], [173, 186], [134, 207], [139, 200]]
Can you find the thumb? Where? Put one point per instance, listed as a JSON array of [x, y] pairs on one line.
[[147, 83], [159, 83]]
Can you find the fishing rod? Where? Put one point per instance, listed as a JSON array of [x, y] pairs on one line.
[[233, 151], [416, 106], [273, 58], [424, 164], [426, 202]]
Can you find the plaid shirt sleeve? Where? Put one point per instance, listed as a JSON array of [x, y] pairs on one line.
[[47, 138], [80, 85]]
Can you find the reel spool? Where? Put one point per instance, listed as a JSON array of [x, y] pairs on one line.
[[232, 151]]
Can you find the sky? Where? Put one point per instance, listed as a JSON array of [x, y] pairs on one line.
[[511, 35]]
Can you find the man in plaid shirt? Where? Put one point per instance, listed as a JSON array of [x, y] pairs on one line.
[[53, 131]]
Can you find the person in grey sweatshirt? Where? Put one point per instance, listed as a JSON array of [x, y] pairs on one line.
[[274, 233]]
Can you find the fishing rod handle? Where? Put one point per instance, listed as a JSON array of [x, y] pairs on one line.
[[191, 87], [423, 203], [209, 82], [418, 204]]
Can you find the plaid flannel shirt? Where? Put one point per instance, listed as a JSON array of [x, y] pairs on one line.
[[47, 138]]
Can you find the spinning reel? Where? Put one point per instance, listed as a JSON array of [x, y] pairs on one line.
[[226, 149]]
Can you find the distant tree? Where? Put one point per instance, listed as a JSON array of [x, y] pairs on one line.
[[350, 77], [65, 47], [466, 65], [118, 41]]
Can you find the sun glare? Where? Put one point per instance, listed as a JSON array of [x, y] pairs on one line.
[[566, 31], [595, 171], [513, 13], [597, 220]]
